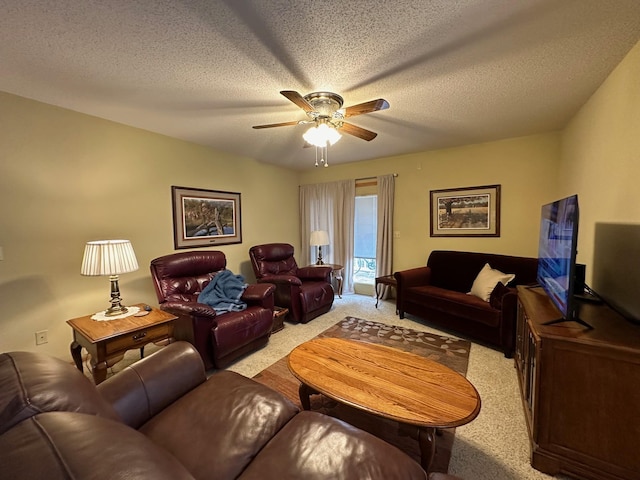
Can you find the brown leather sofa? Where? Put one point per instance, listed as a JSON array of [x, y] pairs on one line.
[[220, 339], [438, 293], [305, 291], [161, 418]]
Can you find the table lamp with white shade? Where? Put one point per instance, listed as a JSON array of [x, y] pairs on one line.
[[318, 239], [110, 257]]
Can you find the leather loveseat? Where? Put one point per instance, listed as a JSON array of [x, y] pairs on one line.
[[439, 294], [161, 418]]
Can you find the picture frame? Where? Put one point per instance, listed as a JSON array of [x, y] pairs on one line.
[[465, 212], [203, 218]]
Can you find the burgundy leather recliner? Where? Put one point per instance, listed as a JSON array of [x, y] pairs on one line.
[[220, 339], [306, 291]]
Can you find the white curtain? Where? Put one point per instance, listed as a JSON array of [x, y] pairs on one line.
[[329, 207], [384, 235]]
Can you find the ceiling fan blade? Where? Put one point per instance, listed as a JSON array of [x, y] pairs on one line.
[[298, 99], [271, 125], [366, 107], [359, 132]]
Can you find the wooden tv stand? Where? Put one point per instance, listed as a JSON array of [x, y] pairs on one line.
[[580, 389]]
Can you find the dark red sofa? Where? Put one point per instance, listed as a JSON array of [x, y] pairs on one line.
[[438, 293]]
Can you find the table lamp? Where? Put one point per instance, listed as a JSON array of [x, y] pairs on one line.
[[110, 257], [319, 238]]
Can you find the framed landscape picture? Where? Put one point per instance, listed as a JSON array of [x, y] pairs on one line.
[[465, 212], [203, 218]]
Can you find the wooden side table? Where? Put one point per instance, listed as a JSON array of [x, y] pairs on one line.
[[336, 273], [107, 341], [384, 280]]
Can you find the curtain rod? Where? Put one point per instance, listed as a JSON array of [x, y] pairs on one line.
[[373, 178], [359, 179]]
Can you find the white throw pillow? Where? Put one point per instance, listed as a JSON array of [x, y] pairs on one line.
[[487, 280]]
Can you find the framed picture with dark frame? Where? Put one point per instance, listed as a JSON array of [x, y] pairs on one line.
[[465, 212], [202, 218]]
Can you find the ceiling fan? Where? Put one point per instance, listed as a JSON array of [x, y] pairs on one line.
[[326, 108]]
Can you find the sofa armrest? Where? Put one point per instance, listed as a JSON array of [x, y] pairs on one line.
[[409, 278], [316, 273], [259, 294], [190, 308], [508, 322], [146, 387], [413, 277], [281, 280]]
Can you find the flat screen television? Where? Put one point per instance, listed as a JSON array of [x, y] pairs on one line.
[[557, 250]]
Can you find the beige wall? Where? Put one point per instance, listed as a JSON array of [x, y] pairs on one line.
[[597, 156], [66, 178], [524, 167], [601, 155]]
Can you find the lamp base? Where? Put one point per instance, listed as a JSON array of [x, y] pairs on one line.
[[115, 310], [116, 307]]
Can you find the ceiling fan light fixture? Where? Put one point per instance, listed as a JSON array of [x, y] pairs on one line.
[[322, 135]]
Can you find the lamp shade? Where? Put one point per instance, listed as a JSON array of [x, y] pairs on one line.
[[319, 238], [108, 257]]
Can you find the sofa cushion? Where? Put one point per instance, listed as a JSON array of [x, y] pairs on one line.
[[457, 270], [316, 447], [455, 303], [148, 386], [32, 383], [217, 429], [66, 445], [486, 281]]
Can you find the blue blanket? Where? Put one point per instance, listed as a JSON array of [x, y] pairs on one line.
[[223, 293]]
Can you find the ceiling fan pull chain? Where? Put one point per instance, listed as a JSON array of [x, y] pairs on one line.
[[324, 155]]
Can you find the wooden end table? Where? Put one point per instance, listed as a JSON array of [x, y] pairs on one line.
[[387, 382], [384, 280], [107, 341]]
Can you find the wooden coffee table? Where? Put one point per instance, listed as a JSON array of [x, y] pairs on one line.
[[387, 382]]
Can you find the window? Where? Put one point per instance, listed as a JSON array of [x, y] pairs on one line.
[[364, 251]]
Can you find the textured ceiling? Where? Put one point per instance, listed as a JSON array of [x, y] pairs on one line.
[[454, 72]]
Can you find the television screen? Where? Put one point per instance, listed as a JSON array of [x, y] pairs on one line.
[[557, 253]]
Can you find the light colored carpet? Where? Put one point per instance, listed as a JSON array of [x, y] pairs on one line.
[[494, 446]]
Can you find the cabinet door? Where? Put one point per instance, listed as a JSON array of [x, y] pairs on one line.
[[591, 406], [526, 364]]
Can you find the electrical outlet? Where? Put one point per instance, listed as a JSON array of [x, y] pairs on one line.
[[42, 337]]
